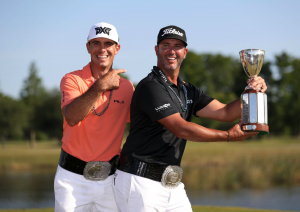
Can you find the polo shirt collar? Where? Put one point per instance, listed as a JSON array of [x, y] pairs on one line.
[[87, 73], [180, 82]]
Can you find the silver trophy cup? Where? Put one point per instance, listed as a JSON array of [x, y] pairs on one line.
[[254, 103]]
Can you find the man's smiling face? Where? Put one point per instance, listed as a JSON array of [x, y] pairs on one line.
[[102, 51], [170, 53]]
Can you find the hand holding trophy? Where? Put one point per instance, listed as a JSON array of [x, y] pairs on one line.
[[254, 103]]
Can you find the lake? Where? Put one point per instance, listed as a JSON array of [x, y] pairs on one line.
[[35, 190]]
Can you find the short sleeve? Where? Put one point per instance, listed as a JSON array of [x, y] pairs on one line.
[[155, 100], [201, 100], [69, 90]]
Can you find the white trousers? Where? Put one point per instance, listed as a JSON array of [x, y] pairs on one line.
[[138, 194], [75, 193]]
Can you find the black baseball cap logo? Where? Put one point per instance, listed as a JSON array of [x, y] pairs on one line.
[[171, 32], [104, 30]]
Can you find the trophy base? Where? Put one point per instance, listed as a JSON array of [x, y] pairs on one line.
[[262, 129]]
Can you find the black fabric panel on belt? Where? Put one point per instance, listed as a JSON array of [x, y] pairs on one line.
[[134, 166], [76, 165]]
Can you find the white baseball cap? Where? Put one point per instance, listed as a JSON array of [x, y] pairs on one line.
[[103, 30]]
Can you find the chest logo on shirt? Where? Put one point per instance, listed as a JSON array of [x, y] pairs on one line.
[[189, 101], [163, 107], [118, 101], [104, 30]]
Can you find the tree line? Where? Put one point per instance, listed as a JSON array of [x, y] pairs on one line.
[[224, 79], [36, 115]]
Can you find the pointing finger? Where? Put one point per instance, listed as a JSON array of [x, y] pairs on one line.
[[119, 71]]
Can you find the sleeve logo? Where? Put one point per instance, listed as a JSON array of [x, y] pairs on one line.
[[163, 107], [63, 96]]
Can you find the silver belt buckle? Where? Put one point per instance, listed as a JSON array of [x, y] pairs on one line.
[[96, 170], [171, 177]]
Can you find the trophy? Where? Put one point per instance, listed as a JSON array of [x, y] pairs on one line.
[[254, 103]]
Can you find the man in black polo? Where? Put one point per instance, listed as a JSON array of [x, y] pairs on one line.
[[149, 175]]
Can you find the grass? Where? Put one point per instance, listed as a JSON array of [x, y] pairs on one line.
[[221, 165], [195, 209], [248, 164], [19, 156]]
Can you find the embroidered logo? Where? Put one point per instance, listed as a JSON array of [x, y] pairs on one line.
[[117, 101], [104, 30], [189, 101], [63, 96], [172, 31], [163, 107], [163, 76]]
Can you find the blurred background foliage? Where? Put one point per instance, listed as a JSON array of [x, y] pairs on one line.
[[224, 79], [36, 115]]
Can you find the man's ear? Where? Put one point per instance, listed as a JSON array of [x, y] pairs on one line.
[[88, 47], [186, 51], [118, 47], [156, 49]]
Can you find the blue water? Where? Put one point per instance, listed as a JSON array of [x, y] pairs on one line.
[[35, 190]]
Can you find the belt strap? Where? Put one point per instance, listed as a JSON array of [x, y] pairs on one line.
[[134, 166], [76, 165]]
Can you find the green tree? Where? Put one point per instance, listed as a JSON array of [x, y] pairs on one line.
[[31, 95], [13, 118], [286, 97], [50, 115]]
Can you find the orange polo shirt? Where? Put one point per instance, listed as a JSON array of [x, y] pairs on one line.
[[95, 138]]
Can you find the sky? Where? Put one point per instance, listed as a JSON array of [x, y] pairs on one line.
[[53, 33]]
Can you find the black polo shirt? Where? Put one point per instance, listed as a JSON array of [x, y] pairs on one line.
[[152, 100]]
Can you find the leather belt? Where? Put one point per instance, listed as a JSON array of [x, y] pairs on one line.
[[134, 166], [77, 166]]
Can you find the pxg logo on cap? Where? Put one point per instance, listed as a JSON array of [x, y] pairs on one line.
[[103, 30], [171, 32]]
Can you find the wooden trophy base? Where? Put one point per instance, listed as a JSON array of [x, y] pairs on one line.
[[262, 129]]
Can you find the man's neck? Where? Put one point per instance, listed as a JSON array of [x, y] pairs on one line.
[[172, 75], [97, 71]]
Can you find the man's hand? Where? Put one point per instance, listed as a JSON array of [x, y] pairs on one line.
[[257, 83], [236, 134], [80, 107], [110, 80]]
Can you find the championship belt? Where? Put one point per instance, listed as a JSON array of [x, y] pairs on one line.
[[171, 177], [96, 170]]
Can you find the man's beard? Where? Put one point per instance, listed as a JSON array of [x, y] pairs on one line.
[[169, 67]]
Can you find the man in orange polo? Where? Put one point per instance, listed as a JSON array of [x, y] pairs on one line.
[[95, 103]]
